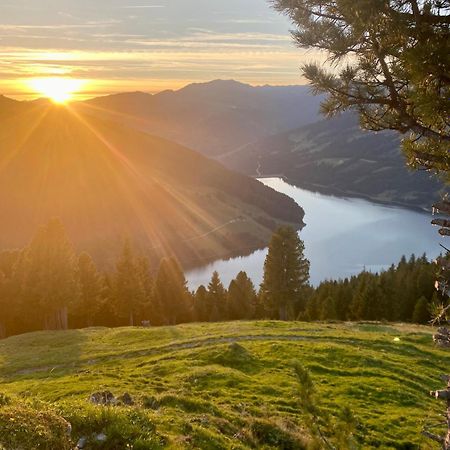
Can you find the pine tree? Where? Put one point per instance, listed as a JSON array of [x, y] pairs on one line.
[[47, 275], [171, 293], [148, 310], [107, 316], [241, 298], [91, 290], [311, 312], [286, 274], [391, 67], [129, 292], [202, 306], [421, 312], [217, 297]]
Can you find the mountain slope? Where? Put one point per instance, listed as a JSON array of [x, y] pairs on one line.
[[214, 117], [228, 385], [335, 156], [107, 181]]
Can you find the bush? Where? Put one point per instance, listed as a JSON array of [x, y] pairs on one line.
[[123, 427], [23, 427], [268, 433], [4, 400]]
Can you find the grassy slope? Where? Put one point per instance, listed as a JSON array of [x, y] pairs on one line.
[[208, 389]]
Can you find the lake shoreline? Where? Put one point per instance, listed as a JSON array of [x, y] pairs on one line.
[[344, 236], [340, 193]]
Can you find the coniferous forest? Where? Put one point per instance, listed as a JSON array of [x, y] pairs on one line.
[[48, 286]]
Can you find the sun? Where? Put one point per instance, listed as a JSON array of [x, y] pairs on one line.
[[58, 90]]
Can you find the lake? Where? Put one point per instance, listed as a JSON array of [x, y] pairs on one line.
[[342, 237]]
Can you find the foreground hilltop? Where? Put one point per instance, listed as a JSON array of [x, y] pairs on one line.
[[106, 181], [219, 386]]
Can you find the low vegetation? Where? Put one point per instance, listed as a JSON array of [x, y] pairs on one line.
[[224, 385]]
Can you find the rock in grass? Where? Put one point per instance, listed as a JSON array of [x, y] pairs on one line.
[[126, 399], [81, 443], [101, 437], [105, 398]]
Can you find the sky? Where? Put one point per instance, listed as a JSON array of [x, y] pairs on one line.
[[146, 45]]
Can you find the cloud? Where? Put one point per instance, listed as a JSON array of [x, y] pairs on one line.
[[141, 6], [52, 27], [119, 43]]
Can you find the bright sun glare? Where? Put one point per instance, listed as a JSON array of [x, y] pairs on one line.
[[59, 90]]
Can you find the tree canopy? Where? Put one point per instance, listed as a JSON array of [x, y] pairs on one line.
[[390, 63], [286, 273]]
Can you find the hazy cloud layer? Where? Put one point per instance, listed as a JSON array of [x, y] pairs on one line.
[[146, 45]]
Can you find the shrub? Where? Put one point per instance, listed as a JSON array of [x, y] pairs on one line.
[[268, 433], [4, 400], [123, 427], [23, 427]]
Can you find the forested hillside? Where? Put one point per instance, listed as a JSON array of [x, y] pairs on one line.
[[336, 157], [106, 182], [270, 131], [215, 117]]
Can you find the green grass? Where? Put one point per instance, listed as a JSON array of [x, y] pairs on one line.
[[230, 385]]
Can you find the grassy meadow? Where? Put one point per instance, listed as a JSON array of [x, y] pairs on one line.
[[218, 386]]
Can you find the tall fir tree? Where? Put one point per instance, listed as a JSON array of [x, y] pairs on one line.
[[241, 298], [286, 274], [202, 306], [149, 309], [421, 313], [217, 296], [91, 290], [129, 292], [47, 272], [171, 293]]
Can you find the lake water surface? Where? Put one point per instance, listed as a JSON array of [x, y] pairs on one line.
[[342, 237]]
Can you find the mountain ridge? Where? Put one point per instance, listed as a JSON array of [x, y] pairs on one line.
[[225, 119], [334, 156], [106, 181]]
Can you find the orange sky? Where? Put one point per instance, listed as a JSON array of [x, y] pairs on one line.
[[117, 45]]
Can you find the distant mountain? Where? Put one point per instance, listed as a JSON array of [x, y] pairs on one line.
[[335, 156], [9, 106], [269, 130], [215, 117], [107, 181]]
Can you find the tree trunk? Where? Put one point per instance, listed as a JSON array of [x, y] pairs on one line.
[[131, 319]]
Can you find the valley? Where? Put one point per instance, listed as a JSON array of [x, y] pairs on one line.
[[108, 182], [277, 131], [343, 236]]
